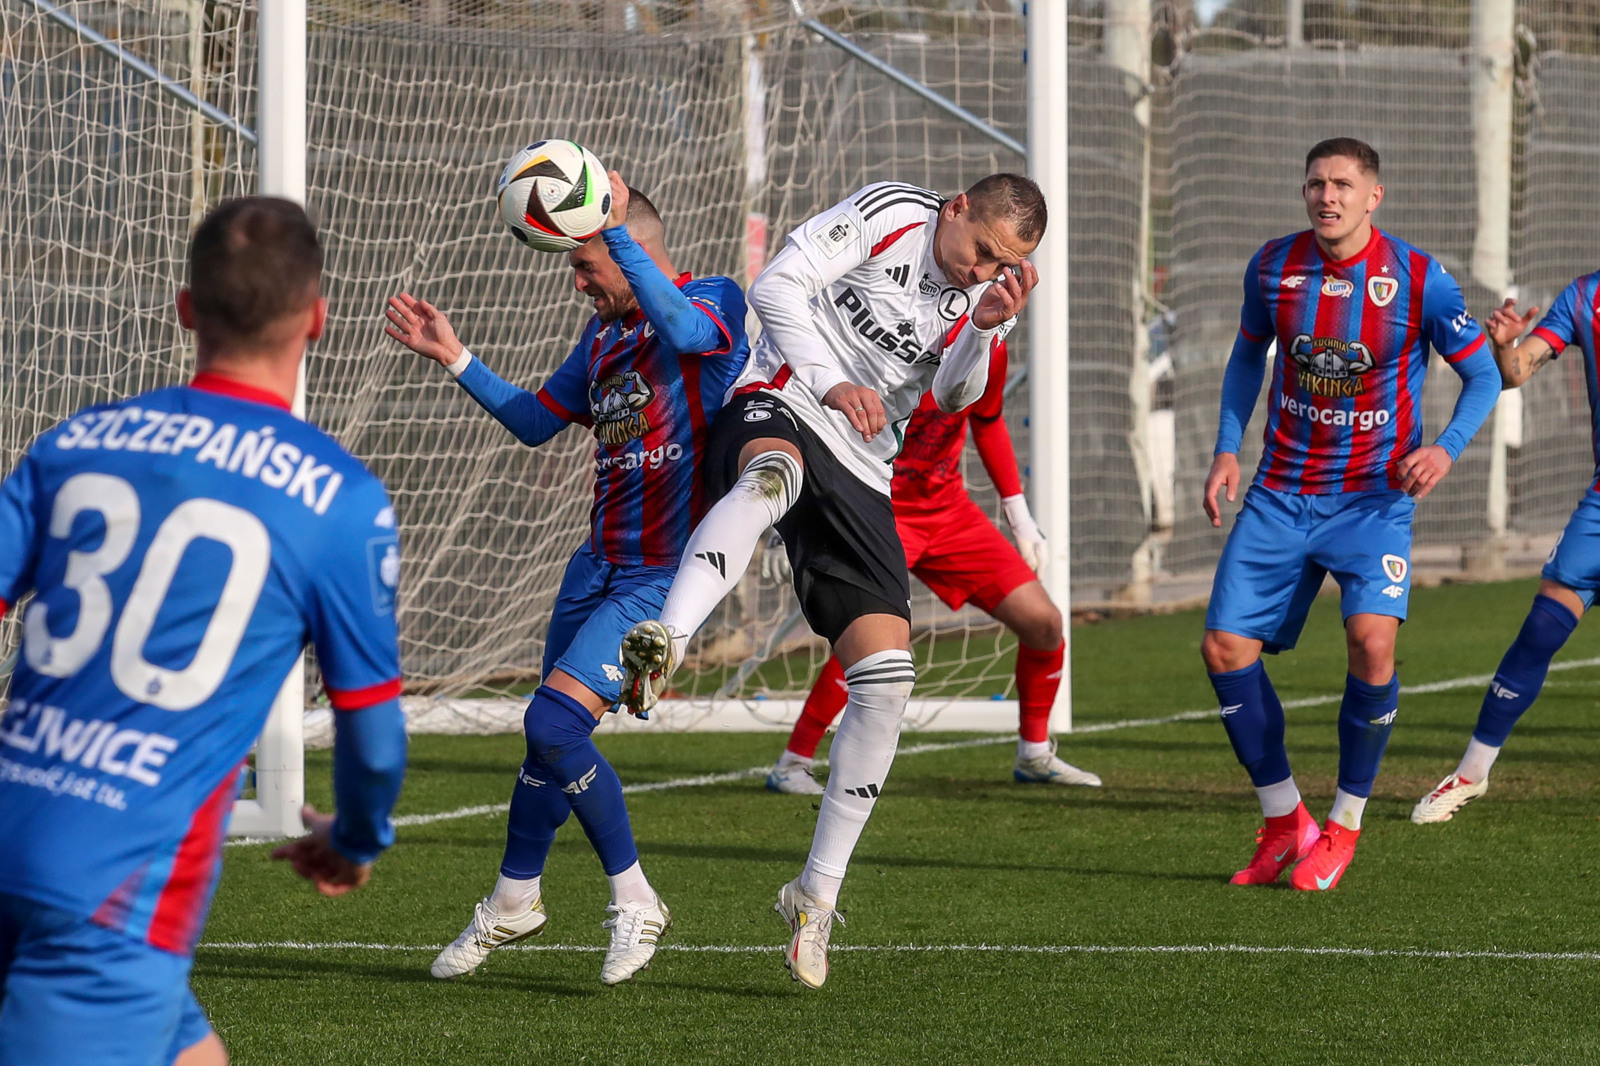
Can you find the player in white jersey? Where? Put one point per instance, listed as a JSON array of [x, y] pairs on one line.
[[870, 304]]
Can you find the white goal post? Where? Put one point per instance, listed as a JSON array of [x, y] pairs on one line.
[[280, 759]]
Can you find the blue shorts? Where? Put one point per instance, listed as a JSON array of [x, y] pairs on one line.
[[597, 605], [78, 994], [1282, 545], [1575, 560]]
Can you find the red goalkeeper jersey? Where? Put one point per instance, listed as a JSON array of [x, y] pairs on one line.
[[927, 472]]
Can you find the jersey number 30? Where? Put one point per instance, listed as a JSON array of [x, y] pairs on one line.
[[139, 679]]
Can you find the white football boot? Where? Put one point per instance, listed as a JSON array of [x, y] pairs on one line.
[[636, 928], [793, 776], [489, 929], [1447, 797], [1048, 769], [812, 925], [646, 666]]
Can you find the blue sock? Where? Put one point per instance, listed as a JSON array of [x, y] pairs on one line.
[[561, 745], [1253, 718], [538, 809], [1521, 675], [1366, 718]]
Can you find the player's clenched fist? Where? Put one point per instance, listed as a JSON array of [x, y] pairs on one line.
[[315, 858], [861, 406], [1224, 475], [1006, 297], [423, 328], [1422, 469]]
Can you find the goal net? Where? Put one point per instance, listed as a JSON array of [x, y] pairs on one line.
[[740, 122]]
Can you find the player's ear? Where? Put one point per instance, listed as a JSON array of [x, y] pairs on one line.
[[958, 207], [185, 303], [1377, 196], [319, 318]]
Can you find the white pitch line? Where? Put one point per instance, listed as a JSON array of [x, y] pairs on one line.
[[702, 780], [994, 949]]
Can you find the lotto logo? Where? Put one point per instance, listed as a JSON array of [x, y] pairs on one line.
[[1337, 287]]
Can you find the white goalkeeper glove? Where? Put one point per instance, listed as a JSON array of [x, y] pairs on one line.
[[775, 559], [1028, 535]]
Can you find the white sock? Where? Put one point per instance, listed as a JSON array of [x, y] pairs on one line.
[[630, 886], [789, 758], [513, 896], [863, 750], [1032, 749], [1347, 809], [720, 547], [1475, 764], [1280, 799]]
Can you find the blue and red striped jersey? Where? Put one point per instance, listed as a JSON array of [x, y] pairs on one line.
[[650, 409], [181, 548], [1574, 318], [1345, 403]]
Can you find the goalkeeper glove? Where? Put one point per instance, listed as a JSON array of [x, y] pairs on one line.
[[1028, 535]]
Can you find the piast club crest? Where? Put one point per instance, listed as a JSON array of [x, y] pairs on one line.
[[617, 403], [1330, 366]]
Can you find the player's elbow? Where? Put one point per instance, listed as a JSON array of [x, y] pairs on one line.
[[762, 292], [951, 401]]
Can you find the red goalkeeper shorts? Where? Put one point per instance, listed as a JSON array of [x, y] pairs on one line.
[[959, 554]]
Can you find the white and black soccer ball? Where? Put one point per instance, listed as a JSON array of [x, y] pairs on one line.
[[554, 195]]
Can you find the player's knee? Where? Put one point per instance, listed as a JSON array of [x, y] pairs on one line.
[[1371, 653], [1225, 652], [1042, 631], [773, 478], [547, 727], [880, 684]]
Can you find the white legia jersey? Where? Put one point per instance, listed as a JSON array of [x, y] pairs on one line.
[[856, 296]]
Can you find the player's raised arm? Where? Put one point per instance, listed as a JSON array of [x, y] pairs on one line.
[[963, 373], [1456, 335], [816, 255], [1519, 361], [636, 239], [1241, 384], [532, 418], [352, 623]]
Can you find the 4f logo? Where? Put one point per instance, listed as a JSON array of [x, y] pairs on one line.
[[1386, 719], [1293, 281], [582, 784]]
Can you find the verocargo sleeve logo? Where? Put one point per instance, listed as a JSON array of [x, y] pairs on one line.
[[617, 403]]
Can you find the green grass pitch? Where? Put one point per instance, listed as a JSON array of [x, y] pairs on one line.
[[957, 857]]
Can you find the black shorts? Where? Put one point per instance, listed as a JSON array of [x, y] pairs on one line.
[[841, 538]]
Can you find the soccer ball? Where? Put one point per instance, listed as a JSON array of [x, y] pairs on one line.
[[554, 195]]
